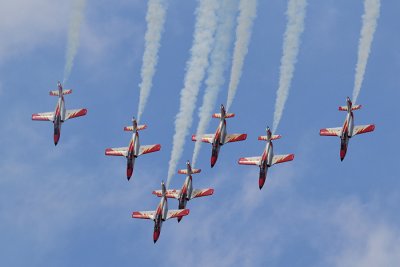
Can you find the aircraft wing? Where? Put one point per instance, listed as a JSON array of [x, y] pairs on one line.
[[149, 149], [46, 116], [117, 151], [73, 113], [250, 161], [206, 138], [229, 138], [331, 131], [150, 215], [282, 158], [177, 213], [170, 193], [360, 129], [202, 192]]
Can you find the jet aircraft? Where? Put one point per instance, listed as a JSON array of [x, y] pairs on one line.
[[60, 114], [161, 214], [187, 192], [134, 149], [267, 159], [220, 137], [348, 129]]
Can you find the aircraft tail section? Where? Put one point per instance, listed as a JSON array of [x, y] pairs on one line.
[[185, 171], [227, 115], [57, 93], [265, 137], [345, 108], [139, 128]]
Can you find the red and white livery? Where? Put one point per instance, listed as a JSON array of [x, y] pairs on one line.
[[187, 192], [134, 149], [348, 129], [161, 214], [60, 114], [267, 158], [220, 137]]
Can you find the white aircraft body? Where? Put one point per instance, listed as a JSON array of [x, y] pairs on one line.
[[60, 114]]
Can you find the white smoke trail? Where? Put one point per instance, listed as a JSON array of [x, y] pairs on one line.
[[296, 13], [218, 63], [155, 25], [78, 7], [370, 18], [248, 10], [203, 40]]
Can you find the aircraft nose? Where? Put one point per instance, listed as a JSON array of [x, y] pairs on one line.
[[156, 235]]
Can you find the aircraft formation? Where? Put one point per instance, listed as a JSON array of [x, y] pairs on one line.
[[218, 139]]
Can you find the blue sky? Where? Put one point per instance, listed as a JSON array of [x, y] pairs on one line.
[[71, 206]]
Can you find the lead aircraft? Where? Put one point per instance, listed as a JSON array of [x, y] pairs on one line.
[[60, 114], [267, 159], [134, 149], [187, 192], [220, 137], [161, 214], [348, 129]]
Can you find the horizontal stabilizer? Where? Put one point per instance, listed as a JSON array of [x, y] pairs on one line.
[[265, 137], [227, 115], [360, 129], [118, 151], [150, 215], [149, 149], [282, 158], [170, 193], [331, 131], [73, 113], [202, 192], [64, 92], [250, 161], [206, 138], [177, 213], [46, 116], [139, 128], [344, 108], [184, 171], [229, 138]]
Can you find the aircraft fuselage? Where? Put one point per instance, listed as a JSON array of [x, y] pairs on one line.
[[219, 140], [160, 217], [266, 162], [59, 117], [347, 132]]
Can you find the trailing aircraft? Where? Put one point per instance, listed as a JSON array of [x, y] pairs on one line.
[[60, 114], [187, 192], [134, 149], [161, 214], [220, 137], [267, 159], [348, 130]]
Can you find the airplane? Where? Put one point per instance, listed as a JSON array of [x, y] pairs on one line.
[[348, 129], [161, 214], [267, 159], [134, 149], [60, 115], [220, 137], [187, 192]]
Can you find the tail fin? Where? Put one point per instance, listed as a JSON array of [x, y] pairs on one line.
[[184, 171], [269, 136], [189, 170], [163, 189], [64, 92], [345, 108], [227, 115], [139, 128], [265, 137]]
